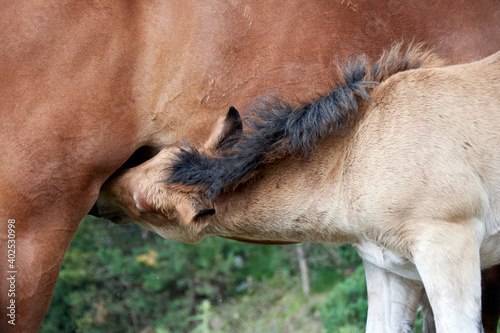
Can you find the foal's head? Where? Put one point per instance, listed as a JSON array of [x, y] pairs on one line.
[[143, 195]]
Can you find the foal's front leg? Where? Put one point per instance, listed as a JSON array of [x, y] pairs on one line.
[[446, 255], [392, 301]]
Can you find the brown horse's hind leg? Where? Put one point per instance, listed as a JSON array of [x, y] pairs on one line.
[[35, 232], [28, 284], [491, 298]]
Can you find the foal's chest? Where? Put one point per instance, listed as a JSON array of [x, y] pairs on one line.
[[387, 259]]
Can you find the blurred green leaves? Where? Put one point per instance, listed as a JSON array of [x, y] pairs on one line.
[[346, 307], [121, 278]]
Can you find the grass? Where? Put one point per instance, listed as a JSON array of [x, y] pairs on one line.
[[271, 307]]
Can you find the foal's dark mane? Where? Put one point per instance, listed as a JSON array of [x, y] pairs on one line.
[[278, 129]]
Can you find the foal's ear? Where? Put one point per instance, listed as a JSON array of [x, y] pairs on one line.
[[226, 131]]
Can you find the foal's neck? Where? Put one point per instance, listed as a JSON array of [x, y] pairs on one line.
[[298, 199]]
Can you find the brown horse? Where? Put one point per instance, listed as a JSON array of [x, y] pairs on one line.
[[85, 84], [406, 170]]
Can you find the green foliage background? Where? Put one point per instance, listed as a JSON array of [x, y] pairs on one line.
[[125, 279]]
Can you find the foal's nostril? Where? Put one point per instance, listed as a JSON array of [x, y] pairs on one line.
[[205, 212], [94, 211], [118, 220]]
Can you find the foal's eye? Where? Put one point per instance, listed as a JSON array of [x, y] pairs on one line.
[[140, 209]]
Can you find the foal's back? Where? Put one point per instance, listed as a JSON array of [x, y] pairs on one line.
[[431, 139]]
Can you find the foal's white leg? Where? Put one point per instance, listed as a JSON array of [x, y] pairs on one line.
[[425, 306], [392, 301], [447, 257]]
